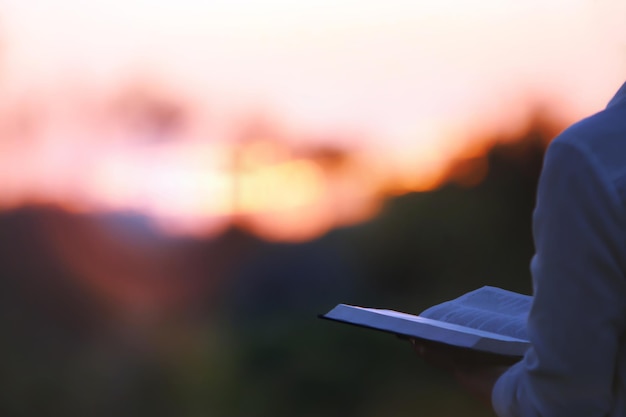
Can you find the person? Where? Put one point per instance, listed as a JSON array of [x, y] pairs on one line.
[[576, 365]]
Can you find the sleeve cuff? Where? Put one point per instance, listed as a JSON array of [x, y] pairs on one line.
[[503, 393]]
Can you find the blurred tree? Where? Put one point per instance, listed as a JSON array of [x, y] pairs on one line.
[[253, 346]]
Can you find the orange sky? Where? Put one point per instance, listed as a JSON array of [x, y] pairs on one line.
[[399, 83]]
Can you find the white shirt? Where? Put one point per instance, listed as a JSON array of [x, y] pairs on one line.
[[577, 325]]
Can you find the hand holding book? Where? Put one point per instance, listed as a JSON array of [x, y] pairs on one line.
[[475, 337], [475, 377], [485, 325]]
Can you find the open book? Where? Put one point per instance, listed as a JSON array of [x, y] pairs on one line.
[[489, 320]]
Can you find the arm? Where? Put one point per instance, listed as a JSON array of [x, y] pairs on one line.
[[579, 309]]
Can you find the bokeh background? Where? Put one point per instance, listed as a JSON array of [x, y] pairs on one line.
[[185, 185]]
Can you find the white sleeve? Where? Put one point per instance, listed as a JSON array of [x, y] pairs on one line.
[[579, 307]]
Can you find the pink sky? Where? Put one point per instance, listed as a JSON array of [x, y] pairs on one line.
[[390, 67], [408, 79]]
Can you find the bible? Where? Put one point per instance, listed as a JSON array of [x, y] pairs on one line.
[[487, 323]]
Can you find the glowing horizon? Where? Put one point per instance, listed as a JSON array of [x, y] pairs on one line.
[[400, 87]]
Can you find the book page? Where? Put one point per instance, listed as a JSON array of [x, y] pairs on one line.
[[408, 325], [489, 309]]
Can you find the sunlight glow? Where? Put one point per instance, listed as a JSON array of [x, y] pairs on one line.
[[152, 107]]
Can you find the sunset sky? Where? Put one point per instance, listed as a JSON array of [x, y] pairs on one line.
[[400, 84]]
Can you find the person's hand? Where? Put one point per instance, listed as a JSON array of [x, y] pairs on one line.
[[476, 378], [479, 380], [435, 355]]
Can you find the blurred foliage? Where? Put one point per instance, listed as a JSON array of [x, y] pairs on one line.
[[254, 346]]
